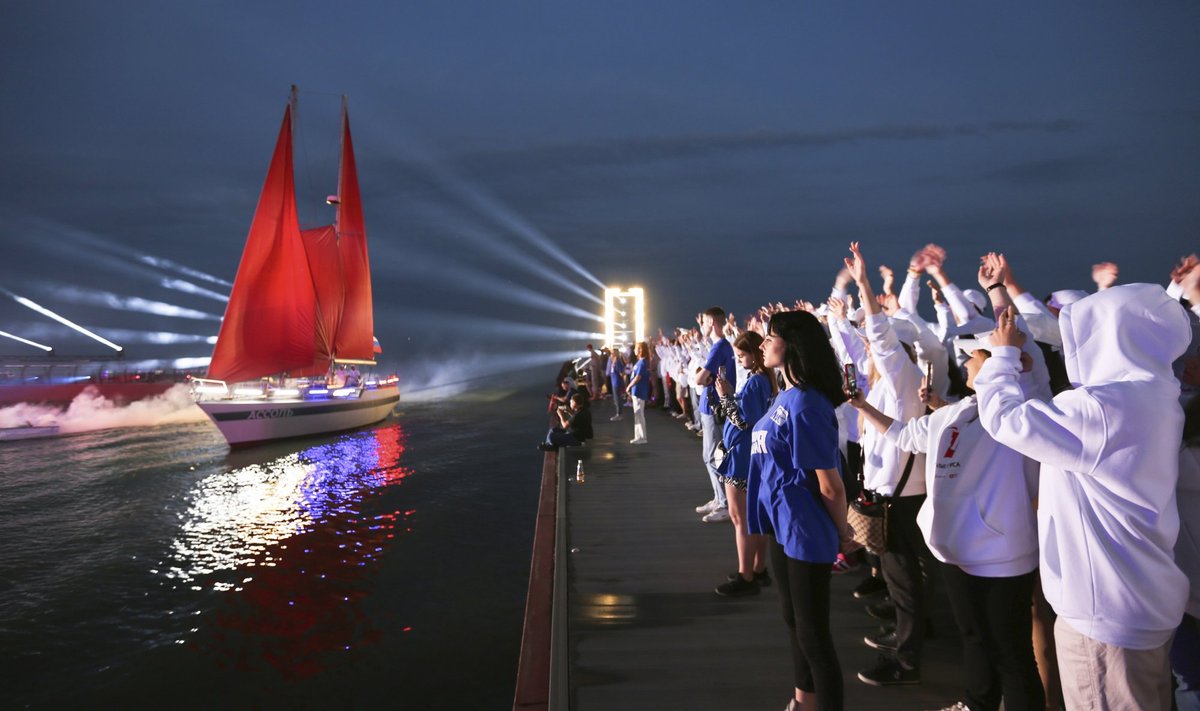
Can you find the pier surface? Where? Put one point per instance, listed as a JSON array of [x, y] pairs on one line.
[[647, 631]]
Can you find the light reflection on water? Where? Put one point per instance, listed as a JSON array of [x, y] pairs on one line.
[[290, 541]]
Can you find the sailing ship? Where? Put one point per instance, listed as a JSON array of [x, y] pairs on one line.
[[300, 312]]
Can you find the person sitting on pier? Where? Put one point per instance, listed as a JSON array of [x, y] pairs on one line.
[[575, 425]]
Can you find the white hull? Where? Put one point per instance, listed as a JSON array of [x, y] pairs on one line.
[[12, 433], [245, 422]]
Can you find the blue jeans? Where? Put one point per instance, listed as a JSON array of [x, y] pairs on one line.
[[712, 435]]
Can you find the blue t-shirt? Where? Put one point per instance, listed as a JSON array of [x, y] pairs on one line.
[[798, 435], [719, 356], [752, 400], [641, 389]]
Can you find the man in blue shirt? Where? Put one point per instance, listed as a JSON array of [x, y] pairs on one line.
[[718, 363]]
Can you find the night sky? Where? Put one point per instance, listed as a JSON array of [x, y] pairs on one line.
[[714, 153]]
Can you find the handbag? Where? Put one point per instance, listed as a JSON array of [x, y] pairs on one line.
[[867, 513]]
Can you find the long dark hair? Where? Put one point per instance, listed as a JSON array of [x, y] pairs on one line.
[[808, 359]]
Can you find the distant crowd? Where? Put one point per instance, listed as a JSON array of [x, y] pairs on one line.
[[1040, 458]]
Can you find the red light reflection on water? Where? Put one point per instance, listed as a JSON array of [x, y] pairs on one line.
[[297, 609]]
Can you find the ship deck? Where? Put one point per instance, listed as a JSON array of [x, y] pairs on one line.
[[645, 629]]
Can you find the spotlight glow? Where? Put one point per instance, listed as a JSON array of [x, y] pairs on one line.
[[92, 297], [25, 341], [186, 271], [188, 287], [64, 321]]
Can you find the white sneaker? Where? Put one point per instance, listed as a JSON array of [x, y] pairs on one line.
[[716, 515], [707, 506], [614, 418], [635, 440]]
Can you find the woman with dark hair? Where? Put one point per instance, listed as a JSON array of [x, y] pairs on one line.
[[639, 392], [742, 409], [795, 493]]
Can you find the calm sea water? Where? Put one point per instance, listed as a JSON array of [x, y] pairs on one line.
[[386, 567]]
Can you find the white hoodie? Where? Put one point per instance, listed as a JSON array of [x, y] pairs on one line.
[[1109, 449], [979, 514]]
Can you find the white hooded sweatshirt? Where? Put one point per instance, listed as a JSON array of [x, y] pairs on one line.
[[1107, 516], [979, 512]]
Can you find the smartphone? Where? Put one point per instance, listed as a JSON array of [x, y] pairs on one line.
[[721, 372], [851, 380], [929, 374]]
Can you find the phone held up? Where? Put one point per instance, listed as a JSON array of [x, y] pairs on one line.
[[850, 379]]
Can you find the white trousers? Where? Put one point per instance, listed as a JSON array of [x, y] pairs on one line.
[[639, 417]]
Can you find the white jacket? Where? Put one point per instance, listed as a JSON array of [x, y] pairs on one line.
[[979, 514], [896, 394], [1109, 449]]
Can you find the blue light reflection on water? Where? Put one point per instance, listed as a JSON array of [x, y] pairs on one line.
[[290, 541]]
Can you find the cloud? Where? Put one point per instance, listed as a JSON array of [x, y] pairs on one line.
[[657, 148]]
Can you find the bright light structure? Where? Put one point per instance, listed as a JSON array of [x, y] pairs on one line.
[[26, 341], [619, 333]]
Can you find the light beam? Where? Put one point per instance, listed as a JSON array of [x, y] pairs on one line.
[[25, 341], [64, 321]]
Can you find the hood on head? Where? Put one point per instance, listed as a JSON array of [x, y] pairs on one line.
[[1129, 332]]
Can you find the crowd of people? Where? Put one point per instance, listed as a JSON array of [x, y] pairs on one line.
[[1039, 458]]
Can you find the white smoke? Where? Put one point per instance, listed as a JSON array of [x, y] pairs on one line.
[[92, 411], [482, 376]]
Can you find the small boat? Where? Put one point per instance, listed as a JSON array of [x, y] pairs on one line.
[[300, 312], [28, 431]]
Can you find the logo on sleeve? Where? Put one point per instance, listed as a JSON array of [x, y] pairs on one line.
[[780, 416]]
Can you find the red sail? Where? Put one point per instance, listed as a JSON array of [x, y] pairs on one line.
[[355, 334], [324, 261], [269, 322]]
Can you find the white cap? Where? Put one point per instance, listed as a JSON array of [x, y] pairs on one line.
[[1059, 299], [970, 345], [976, 297]]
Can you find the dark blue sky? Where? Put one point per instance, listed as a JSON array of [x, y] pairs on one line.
[[713, 153]]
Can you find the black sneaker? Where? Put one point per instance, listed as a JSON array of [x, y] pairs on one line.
[[737, 587], [763, 579], [889, 672], [869, 587], [885, 611], [884, 642]]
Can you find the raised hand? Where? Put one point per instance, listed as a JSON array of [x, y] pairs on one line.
[[837, 308], [842, 280], [1006, 332], [1186, 264], [987, 271], [856, 265], [936, 292], [889, 278], [1105, 274]]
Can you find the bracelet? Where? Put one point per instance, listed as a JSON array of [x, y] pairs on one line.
[[997, 285]]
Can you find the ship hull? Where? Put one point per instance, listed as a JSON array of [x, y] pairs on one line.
[[245, 423]]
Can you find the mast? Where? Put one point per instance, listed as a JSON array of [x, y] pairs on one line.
[[337, 220]]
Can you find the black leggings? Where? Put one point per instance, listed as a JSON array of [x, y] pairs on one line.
[[804, 593]]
